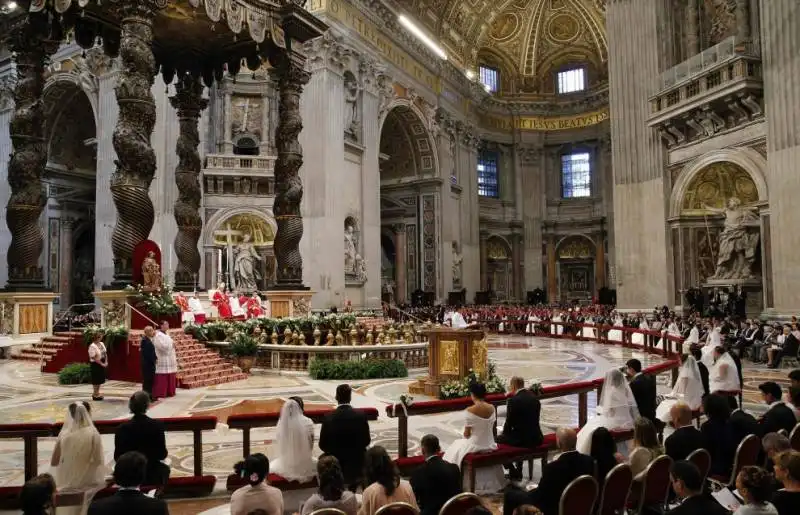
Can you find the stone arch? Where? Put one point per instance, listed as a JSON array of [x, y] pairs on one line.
[[407, 142], [71, 82], [498, 242], [220, 217], [574, 241], [499, 267], [747, 159], [70, 124]]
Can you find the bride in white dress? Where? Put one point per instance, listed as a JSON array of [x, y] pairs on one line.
[[723, 376], [638, 338], [713, 341], [294, 441], [616, 410], [479, 422], [589, 332], [688, 389], [557, 327]]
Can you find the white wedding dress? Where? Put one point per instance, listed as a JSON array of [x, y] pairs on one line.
[[688, 389], [638, 338], [671, 330], [723, 376], [616, 334], [589, 332], [713, 341], [294, 441], [616, 410], [559, 328], [487, 480]]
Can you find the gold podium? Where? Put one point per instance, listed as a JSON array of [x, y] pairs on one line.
[[452, 353]]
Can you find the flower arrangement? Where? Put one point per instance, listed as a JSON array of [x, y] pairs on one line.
[[158, 303], [243, 345], [536, 388], [460, 387], [111, 335], [406, 400]]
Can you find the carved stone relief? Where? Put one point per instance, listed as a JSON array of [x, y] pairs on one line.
[[715, 184], [247, 115]]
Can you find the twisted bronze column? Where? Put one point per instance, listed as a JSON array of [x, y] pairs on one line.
[[28, 160], [189, 102], [290, 77], [136, 160]]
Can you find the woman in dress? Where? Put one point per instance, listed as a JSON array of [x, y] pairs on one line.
[[557, 328], [385, 485], [98, 361], [755, 486], [616, 334], [616, 410], [165, 381], [688, 389], [257, 494], [723, 375], [294, 441], [713, 341], [479, 423], [38, 496], [332, 492], [589, 332], [638, 338], [645, 446], [78, 461], [604, 452]]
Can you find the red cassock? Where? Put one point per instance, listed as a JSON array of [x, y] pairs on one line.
[[254, 307], [223, 305]]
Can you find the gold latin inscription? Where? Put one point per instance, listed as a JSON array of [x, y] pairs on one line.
[[543, 123]]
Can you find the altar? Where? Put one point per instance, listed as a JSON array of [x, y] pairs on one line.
[[452, 354]]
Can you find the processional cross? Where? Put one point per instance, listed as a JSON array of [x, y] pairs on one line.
[[229, 234]]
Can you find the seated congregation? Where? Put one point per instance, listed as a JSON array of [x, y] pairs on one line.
[[596, 467]]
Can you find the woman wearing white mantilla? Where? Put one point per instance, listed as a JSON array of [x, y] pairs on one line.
[[688, 389], [294, 441], [617, 410]]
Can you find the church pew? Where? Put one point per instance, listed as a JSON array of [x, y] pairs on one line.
[[246, 422]]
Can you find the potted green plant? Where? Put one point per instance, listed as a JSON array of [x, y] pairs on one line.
[[244, 349]]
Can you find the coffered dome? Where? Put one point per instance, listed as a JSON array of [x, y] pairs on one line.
[[527, 40]]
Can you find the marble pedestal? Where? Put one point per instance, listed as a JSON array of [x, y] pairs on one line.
[[25, 317], [289, 303], [114, 308]]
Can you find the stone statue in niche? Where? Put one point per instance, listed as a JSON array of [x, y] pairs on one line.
[[354, 265], [457, 261], [244, 266], [151, 273], [738, 241], [721, 19], [352, 124], [246, 185]]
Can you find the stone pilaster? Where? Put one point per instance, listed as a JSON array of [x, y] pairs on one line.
[[552, 275], [484, 260], [189, 103], [227, 119], [517, 266], [401, 250], [105, 213], [136, 160], [692, 28], [530, 166], [322, 174], [635, 62], [25, 169], [780, 36], [473, 245], [65, 260], [743, 20], [7, 83]]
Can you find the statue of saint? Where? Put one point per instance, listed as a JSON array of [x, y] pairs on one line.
[[457, 260], [151, 272], [737, 242], [351, 124], [350, 252], [244, 266]]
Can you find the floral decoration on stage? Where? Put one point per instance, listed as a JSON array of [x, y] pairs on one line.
[[460, 387], [156, 303], [111, 334]]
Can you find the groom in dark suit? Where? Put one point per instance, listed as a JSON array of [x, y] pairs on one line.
[[644, 390], [147, 360], [435, 482], [345, 435], [521, 428]]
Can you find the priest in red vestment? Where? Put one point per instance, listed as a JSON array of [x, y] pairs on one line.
[[253, 306], [222, 302]]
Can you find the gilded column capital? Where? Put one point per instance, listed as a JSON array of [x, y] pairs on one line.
[[328, 52], [399, 228]]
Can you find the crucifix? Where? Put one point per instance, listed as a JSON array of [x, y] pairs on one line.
[[229, 234], [245, 105]]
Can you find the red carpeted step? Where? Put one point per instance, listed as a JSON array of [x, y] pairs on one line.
[[199, 366]]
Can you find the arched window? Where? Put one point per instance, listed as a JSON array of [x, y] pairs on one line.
[[571, 80], [246, 146], [489, 77], [488, 180], [576, 174]]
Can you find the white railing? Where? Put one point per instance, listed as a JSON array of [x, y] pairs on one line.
[[724, 51], [236, 162]]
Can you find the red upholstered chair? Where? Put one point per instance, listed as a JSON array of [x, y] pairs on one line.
[[653, 486], [616, 488], [579, 497], [746, 456], [327, 511], [794, 438], [702, 460], [397, 508], [460, 503]]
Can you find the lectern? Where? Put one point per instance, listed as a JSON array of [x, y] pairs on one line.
[[451, 355]]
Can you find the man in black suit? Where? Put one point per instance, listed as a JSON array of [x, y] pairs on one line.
[[345, 435], [686, 438], [435, 482], [688, 485], [779, 416], [147, 360], [129, 475], [521, 428], [698, 357], [556, 475], [644, 390], [146, 436]]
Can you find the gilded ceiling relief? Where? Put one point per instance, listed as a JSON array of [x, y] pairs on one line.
[[505, 27], [715, 184]]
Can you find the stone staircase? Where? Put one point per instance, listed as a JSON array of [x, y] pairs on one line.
[[47, 347], [199, 366]]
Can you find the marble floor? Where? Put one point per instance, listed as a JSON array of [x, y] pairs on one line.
[[27, 395]]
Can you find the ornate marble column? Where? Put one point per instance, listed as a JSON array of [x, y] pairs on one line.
[[552, 280], [291, 77], [743, 20], [29, 157], [484, 236], [516, 260], [692, 29], [136, 160], [65, 262], [400, 262], [189, 103], [7, 84]]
